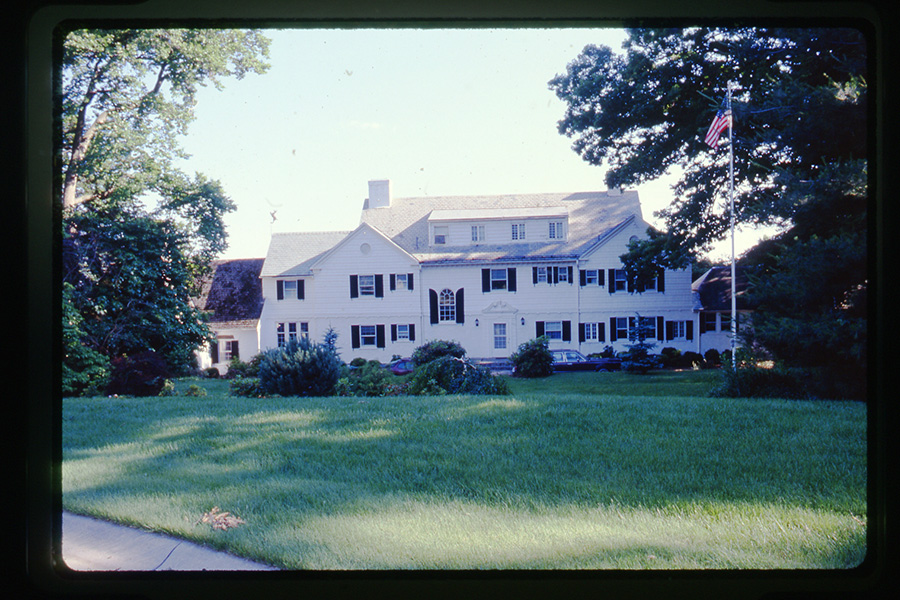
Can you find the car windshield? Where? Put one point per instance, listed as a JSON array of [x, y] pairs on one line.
[[573, 357]]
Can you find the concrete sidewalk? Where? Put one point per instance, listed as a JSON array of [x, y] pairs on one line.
[[93, 545]]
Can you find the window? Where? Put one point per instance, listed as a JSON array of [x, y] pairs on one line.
[[402, 281], [649, 324], [591, 277], [499, 336], [561, 275], [556, 231], [709, 321], [591, 332], [477, 233], [498, 279], [518, 231], [402, 332], [725, 321], [366, 285], [621, 280], [447, 306], [553, 330], [279, 334], [231, 350], [440, 234], [290, 288], [540, 275], [292, 332], [621, 324], [367, 335]]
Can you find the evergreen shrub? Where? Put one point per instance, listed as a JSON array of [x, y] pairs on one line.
[[533, 358], [300, 368], [436, 349]]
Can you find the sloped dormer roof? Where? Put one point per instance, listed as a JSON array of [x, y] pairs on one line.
[[232, 293], [590, 216]]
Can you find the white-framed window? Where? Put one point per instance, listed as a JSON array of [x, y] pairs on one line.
[[621, 280], [518, 231], [477, 233], [292, 332], [679, 330], [441, 232], [279, 334], [290, 288], [591, 332], [366, 285], [403, 332], [498, 279], [447, 306], [648, 322], [499, 336], [553, 330], [621, 328], [556, 230], [231, 350], [402, 281], [541, 274], [563, 275], [367, 335], [591, 277]]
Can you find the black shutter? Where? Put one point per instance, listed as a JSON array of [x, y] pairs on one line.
[[460, 306], [393, 333], [554, 275], [379, 286], [582, 277], [412, 332], [354, 287], [600, 275], [409, 280], [702, 322], [485, 281], [379, 336], [661, 281], [581, 331], [354, 336], [690, 329], [301, 289], [601, 334], [612, 287], [567, 331], [670, 330], [433, 304], [214, 352], [660, 325], [538, 328], [612, 329], [534, 275], [511, 279], [280, 292], [571, 278], [393, 282], [235, 351]]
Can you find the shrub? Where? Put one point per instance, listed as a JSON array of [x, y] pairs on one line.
[[637, 357], [436, 349], [692, 359], [712, 357], [195, 391], [247, 387], [671, 358], [168, 388], [533, 358], [454, 375], [301, 368], [211, 373], [239, 368], [756, 382], [370, 379], [358, 361], [143, 374]]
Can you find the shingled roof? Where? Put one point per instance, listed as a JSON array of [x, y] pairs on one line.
[[232, 293], [714, 289], [591, 216], [292, 254]]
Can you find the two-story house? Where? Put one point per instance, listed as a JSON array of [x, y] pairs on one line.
[[489, 272]]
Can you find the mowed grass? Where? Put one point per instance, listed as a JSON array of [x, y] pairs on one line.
[[576, 471]]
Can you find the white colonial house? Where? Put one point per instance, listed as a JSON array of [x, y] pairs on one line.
[[489, 272]]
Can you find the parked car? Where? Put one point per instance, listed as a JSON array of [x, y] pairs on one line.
[[573, 360], [402, 366]]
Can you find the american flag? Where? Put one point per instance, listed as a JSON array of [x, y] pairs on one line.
[[719, 124]]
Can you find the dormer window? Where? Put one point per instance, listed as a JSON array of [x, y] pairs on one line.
[[440, 234], [477, 233], [518, 231], [556, 230]]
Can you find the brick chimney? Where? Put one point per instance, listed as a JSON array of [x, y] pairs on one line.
[[379, 193]]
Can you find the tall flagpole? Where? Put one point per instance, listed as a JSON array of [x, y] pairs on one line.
[[731, 198]]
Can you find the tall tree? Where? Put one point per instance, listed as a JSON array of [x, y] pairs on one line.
[[125, 97], [800, 150]]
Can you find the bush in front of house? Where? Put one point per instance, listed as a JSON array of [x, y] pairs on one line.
[[142, 374], [369, 379], [246, 387], [436, 349], [454, 375], [533, 358], [712, 357], [300, 368], [238, 368]]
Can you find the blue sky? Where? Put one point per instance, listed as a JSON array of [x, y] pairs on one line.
[[438, 112]]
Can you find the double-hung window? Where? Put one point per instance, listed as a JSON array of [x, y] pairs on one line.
[[679, 330], [621, 280], [441, 232], [591, 332], [621, 324], [402, 281], [498, 279], [591, 277], [477, 233], [366, 285], [518, 231], [553, 330], [540, 275], [556, 230], [367, 335]]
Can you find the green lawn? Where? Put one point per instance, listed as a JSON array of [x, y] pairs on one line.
[[579, 470]]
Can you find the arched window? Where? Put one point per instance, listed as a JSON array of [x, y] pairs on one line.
[[447, 306]]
